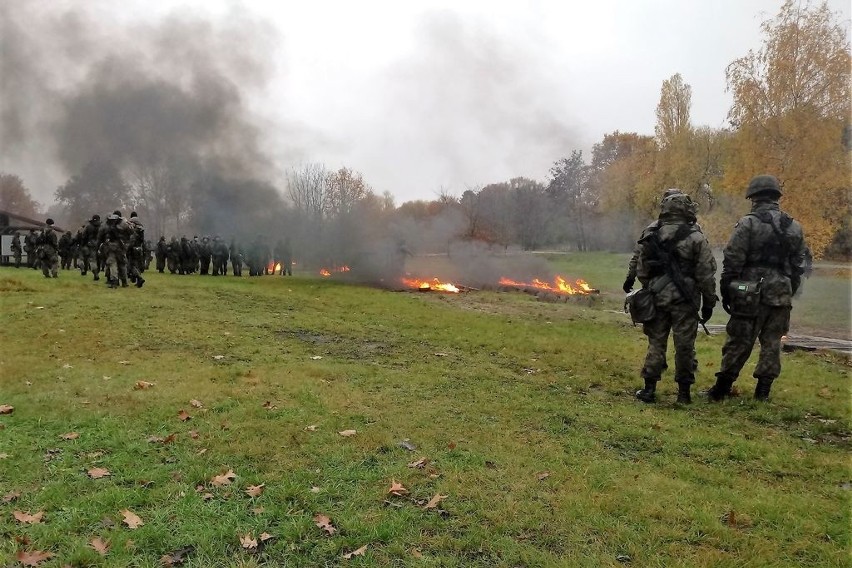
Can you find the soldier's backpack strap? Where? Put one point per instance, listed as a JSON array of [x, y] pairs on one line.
[[780, 229]]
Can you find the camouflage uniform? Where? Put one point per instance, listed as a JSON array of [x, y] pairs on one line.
[[65, 246], [113, 239], [236, 254], [48, 244], [173, 256], [767, 246], [220, 256], [161, 252], [30, 248], [135, 250], [88, 242], [688, 247], [205, 254], [16, 249]]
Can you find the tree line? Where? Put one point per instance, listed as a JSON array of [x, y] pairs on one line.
[[789, 117]]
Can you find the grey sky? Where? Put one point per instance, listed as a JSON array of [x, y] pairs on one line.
[[423, 96]]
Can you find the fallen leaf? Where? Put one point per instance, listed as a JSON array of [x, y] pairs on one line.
[[33, 557], [248, 542], [419, 464], [6, 409], [67, 366], [433, 502], [316, 357], [11, 496], [193, 434], [154, 439], [315, 489], [131, 519], [28, 519], [269, 406], [98, 472], [224, 479], [358, 552], [451, 445], [265, 536], [415, 552], [141, 385], [169, 439], [70, 436], [183, 415], [195, 403], [177, 557], [543, 475], [255, 490], [824, 392], [257, 511], [206, 496], [397, 488], [407, 445], [201, 452], [324, 523], [311, 428], [25, 540], [99, 546], [3, 456], [347, 433]]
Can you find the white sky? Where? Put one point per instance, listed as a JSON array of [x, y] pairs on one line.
[[421, 96]]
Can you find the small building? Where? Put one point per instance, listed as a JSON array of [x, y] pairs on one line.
[[11, 223]]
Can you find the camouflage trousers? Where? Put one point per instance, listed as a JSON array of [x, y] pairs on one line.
[[682, 321], [116, 266], [49, 262], [770, 324], [17, 255], [88, 260]]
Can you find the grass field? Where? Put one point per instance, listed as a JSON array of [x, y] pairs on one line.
[[521, 411]]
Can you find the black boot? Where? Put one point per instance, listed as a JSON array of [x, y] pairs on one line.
[[683, 396], [761, 391], [139, 281], [721, 389], [649, 393]]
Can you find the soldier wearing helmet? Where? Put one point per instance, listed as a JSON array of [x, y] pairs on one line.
[[761, 272], [676, 265], [88, 241]]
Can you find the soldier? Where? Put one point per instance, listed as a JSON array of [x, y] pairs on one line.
[[675, 262], [220, 256], [173, 256], [287, 258], [185, 255], [761, 272], [161, 252], [88, 242], [113, 240], [236, 257], [47, 251], [136, 250], [205, 254], [65, 244], [30, 248], [16, 249]]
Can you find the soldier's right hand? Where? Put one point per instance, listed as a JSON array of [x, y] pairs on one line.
[[628, 284]]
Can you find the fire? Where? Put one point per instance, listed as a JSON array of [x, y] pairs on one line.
[[325, 272], [430, 285], [559, 286], [277, 267]]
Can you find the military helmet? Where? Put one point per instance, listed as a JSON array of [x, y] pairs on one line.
[[679, 204], [117, 213], [671, 191], [96, 219], [763, 184], [113, 217], [49, 222]]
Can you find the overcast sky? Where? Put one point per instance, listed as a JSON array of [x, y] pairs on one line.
[[425, 96]]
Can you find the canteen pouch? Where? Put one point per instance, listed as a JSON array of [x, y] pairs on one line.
[[640, 305], [745, 298]]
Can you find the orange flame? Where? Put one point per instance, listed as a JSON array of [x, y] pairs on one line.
[[325, 272], [431, 285], [560, 285]]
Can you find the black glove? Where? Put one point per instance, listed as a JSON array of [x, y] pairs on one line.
[[795, 282], [725, 291], [706, 313], [628, 284]]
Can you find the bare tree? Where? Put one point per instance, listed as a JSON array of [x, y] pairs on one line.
[[306, 188]]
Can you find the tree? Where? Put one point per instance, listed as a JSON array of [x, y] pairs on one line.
[[572, 195], [673, 110], [343, 189], [533, 213], [15, 197], [99, 188], [306, 188], [791, 107]]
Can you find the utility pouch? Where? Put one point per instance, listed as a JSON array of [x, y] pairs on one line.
[[640, 305], [745, 297]]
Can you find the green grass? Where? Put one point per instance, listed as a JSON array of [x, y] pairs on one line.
[[493, 388]]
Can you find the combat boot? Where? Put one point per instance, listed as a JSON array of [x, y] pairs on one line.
[[139, 281], [649, 393], [721, 389], [96, 278], [112, 283], [683, 396], [761, 391]]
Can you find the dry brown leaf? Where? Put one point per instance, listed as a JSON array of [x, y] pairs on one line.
[[347, 433], [543, 475], [324, 523], [248, 542], [6, 409], [193, 434], [255, 490], [154, 439], [33, 557], [3, 456], [824, 392], [397, 488], [177, 557], [70, 436], [28, 519], [98, 472], [358, 552], [224, 479], [131, 519], [433, 502], [451, 445], [311, 428], [419, 464], [265, 536], [269, 406], [141, 385], [415, 552], [100, 546], [183, 416], [10, 496], [206, 496], [196, 403], [258, 510]]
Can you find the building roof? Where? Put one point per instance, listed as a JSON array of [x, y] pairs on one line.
[[11, 222]]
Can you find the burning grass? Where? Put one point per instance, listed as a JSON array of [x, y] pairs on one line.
[[494, 390]]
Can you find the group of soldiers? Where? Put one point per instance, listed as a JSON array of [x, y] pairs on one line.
[[764, 261], [188, 256]]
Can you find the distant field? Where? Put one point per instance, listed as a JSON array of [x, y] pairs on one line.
[[509, 422]]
